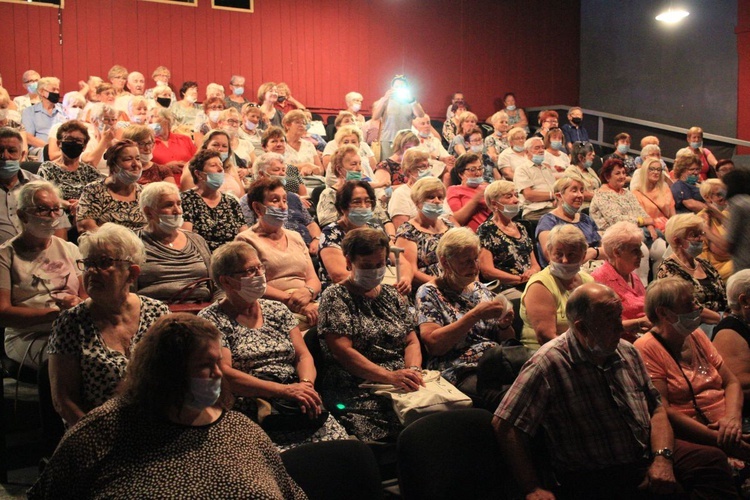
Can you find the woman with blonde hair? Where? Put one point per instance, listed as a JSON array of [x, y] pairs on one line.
[[653, 193], [716, 215], [300, 153], [515, 156], [497, 142], [268, 96]]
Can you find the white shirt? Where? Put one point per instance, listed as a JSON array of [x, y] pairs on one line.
[[512, 160], [539, 178], [402, 204]]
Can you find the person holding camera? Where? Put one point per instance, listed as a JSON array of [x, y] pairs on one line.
[[396, 110]]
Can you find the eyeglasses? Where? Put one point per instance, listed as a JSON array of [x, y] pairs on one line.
[[102, 263], [73, 141], [654, 169], [147, 144], [234, 123], [47, 211], [474, 170], [251, 271], [361, 202], [33, 80]]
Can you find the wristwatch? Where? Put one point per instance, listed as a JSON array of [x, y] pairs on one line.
[[664, 452], [312, 292]]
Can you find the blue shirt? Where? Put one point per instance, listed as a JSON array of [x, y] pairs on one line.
[[585, 223], [298, 220], [37, 121], [574, 134], [682, 191]]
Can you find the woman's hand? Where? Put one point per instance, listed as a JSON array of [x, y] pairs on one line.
[[67, 301], [403, 286], [314, 247], [729, 431], [408, 380], [311, 313], [298, 299], [305, 202], [304, 394], [491, 309]]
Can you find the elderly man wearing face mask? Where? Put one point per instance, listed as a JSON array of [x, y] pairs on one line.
[[535, 181], [236, 98], [440, 160], [573, 130], [39, 118], [30, 81]]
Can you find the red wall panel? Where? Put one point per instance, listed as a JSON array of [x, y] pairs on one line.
[[321, 48], [743, 77]]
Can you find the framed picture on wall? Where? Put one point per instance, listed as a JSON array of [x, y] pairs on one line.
[[190, 3], [44, 3], [238, 5]]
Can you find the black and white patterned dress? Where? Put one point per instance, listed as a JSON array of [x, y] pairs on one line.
[[70, 183], [333, 236], [217, 225], [75, 334], [427, 260], [97, 203], [509, 254], [378, 329], [268, 353]]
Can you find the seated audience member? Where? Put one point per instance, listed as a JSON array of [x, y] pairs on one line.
[[175, 258], [467, 123], [175, 433], [171, 149], [137, 110], [263, 353], [450, 126], [349, 136], [401, 207], [622, 244], [723, 167], [516, 115], [214, 215], [432, 145], [219, 141], [69, 173], [554, 151], [419, 236], [286, 103], [507, 253], [581, 158], [622, 146], [118, 77], [311, 136], [547, 120], [88, 88], [602, 445], [9, 117], [268, 96], [653, 193], [143, 136], [244, 151], [732, 334], [38, 275], [706, 158], [354, 106], [648, 152], [355, 203], [271, 165], [369, 335], [236, 98], [163, 97], [475, 144], [535, 180], [207, 119], [388, 173], [574, 130], [497, 142], [702, 396], [466, 193], [569, 193], [395, 110], [30, 80], [686, 194], [12, 179], [274, 141], [103, 134], [215, 90], [514, 156], [251, 121], [346, 165], [738, 199], [685, 236], [290, 273], [91, 343], [114, 198], [38, 118], [459, 320], [546, 294], [716, 247], [614, 203], [456, 100], [185, 111], [344, 119], [73, 104]]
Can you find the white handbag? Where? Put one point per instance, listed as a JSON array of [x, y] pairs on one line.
[[437, 395]]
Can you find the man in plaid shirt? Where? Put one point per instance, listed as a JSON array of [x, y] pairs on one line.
[[605, 427]]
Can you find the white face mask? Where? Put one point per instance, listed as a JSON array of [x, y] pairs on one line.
[[41, 227], [564, 271], [4, 114], [356, 107], [250, 125], [213, 115], [367, 279], [146, 157], [688, 322], [169, 223], [251, 289]]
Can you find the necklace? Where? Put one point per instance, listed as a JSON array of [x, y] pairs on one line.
[[689, 268]]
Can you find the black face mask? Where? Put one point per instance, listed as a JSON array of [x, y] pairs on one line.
[[53, 97], [164, 102], [281, 99], [71, 149], [577, 120]]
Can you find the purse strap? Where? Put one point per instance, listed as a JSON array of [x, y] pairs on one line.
[[184, 293], [652, 201], [699, 413]]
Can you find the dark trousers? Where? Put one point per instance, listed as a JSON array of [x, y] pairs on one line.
[[701, 471]]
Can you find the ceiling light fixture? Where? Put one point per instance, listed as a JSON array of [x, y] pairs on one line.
[[672, 16]]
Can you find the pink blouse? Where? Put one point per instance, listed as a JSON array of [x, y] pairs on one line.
[[458, 196], [632, 297]]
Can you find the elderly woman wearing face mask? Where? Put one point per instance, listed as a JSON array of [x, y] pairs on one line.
[[171, 149], [354, 106], [219, 141], [546, 294], [103, 135], [686, 193], [144, 137], [581, 158], [695, 147], [208, 118], [516, 115], [716, 213], [554, 151], [268, 96], [115, 198], [229, 121], [349, 135], [466, 194], [264, 354], [685, 234], [250, 129], [73, 104], [300, 153], [513, 157], [38, 275], [346, 164], [497, 142], [369, 335], [459, 318]]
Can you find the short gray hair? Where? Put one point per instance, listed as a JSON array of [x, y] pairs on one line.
[[737, 284], [265, 160], [118, 241], [567, 235], [29, 191], [499, 188], [664, 293], [455, 241], [229, 257], [678, 226], [43, 83], [348, 130], [424, 186], [530, 142], [99, 109], [352, 95], [619, 234], [153, 192], [650, 150]]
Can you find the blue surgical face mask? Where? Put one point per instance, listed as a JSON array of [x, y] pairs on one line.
[[156, 127], [692, 179], [367, 279], [214, 180], [352, 175], [432, 210], [518, 149], [32, 87], [510, 211], [9, 168], [687, 323], [280, 178], [588, 163], [203, 392], [556, 145], [360, 216], [696, 145], [512, 107], [238, 91], [537, 159], [570, 210], [224, 155], [424, 173], [275, 216], [622, 148], [474, 182], [694, 248], [477, 149]]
